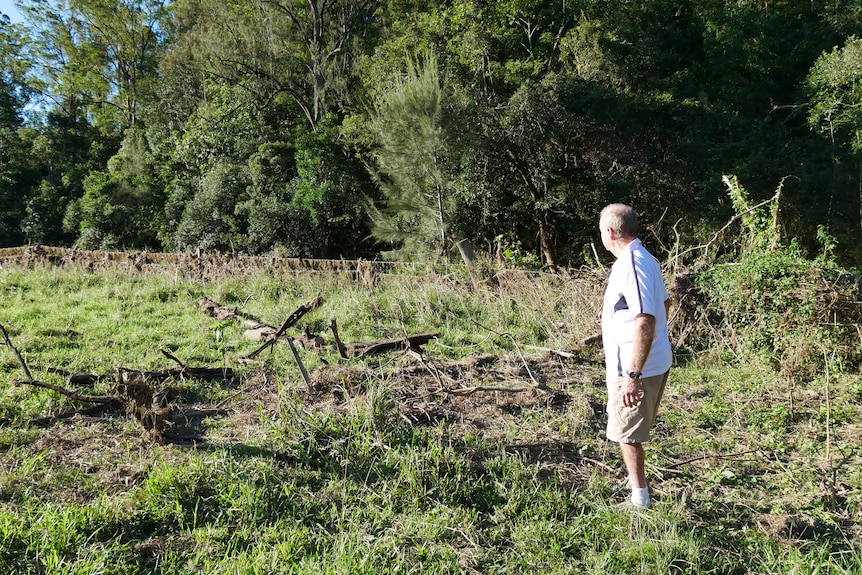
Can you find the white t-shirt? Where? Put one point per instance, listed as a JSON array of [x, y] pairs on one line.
[[635, 287]]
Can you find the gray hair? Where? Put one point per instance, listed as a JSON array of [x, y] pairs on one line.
[[620, 218]]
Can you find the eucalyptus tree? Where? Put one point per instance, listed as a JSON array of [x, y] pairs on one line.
[[302, 50], [93, 63], [96, 54]]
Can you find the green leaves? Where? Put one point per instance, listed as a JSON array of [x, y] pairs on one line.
[[835, 89], [415, 159]]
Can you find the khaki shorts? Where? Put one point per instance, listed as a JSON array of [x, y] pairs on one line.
[[633, 424]]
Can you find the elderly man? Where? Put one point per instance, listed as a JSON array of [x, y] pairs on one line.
[[638, 354]]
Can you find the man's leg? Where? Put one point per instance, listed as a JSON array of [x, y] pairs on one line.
[[633, 456]]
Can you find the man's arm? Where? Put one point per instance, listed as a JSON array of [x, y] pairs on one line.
[[644, 333]]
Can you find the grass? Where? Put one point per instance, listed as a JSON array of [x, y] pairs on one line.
[[377, 471]]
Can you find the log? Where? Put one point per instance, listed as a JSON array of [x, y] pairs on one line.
[[216, 310], [222, 313], [204, 373], [380, 346]]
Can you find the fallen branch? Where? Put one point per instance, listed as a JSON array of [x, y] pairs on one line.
[[101, 400], [563, 354], [216, 310], [342, 349], [203, 373], [592, 340], [91, 411], [377, 347], [465, 391], [104, 400], [136, 394], [290, 321], [256, 330], [16, 353]]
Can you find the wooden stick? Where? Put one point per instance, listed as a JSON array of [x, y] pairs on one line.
[[172, 357], [17, 353], [563, 354], [465, 391], [108, 400], [342, 349], [299, 363]]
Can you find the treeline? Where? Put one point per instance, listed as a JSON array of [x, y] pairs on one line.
[[361, 128]]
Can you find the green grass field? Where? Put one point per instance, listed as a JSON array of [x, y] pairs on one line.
[[484, 455]]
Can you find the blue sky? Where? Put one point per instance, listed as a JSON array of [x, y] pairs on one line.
[[8, 8]]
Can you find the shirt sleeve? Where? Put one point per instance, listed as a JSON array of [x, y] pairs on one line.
[[645, 291]]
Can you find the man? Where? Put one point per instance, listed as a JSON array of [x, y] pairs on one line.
[[638, 355]]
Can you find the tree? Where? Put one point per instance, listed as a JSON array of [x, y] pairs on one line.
[[556, 152], [326, 28], [91, 61], [95, 54], [210, 219], [277, 48], [122, 205], [414, 162], [14, 151], [332, 184], [835, 90]]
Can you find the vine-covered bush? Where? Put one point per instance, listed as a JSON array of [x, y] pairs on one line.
[[764, 298]]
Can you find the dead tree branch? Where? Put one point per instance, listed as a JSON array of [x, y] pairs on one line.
[[342, 349], [108, 401], [377, 347], [290, 321], [16, 353]]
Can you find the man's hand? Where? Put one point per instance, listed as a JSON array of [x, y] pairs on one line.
[[632, 392]]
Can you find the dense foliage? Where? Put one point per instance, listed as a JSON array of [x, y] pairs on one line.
[[355, 127]]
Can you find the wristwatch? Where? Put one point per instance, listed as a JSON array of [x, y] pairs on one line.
[[635, 374]]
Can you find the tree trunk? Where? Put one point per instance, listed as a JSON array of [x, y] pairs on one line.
[[316, 49], [547, 246]]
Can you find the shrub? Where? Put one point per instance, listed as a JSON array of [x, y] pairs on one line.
[[763, 298]]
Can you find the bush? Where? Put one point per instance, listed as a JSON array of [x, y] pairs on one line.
[[765, 299]]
